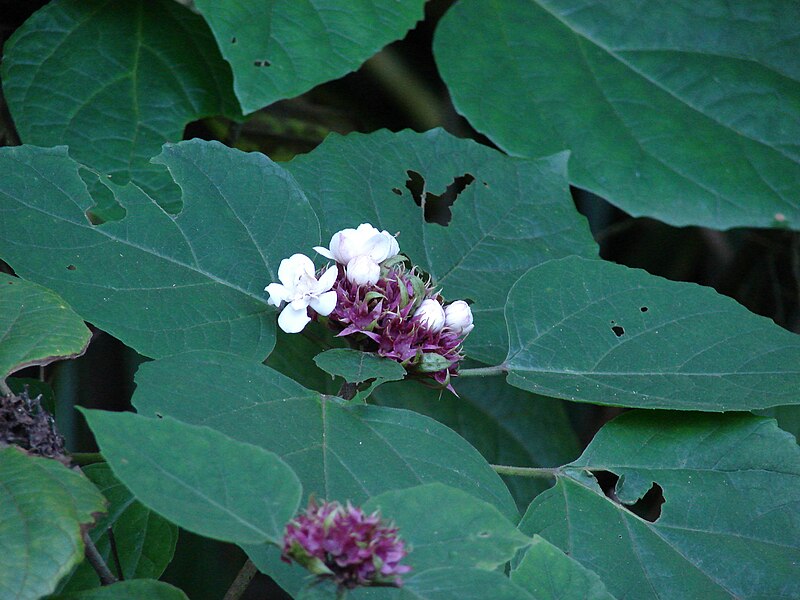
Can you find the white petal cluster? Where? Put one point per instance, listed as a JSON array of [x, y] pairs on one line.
[[300, 288], [361, 251]]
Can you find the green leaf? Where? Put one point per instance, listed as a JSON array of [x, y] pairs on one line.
[[128, 590], [198, 478], [788, 418], [508, 426], [145, 541], [38, 327], [593, 331], [340, 452], [355, 366], [513, 215], [728, 528], [548, 574], [446, 527], [42, 508], [281, 49], [114, 81], [160, 283], [693, 123]]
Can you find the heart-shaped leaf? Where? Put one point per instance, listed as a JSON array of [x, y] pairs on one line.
[[729, 525], [689, 113], [128, 590], [160, 283], [38, 326], [129, 77], [593, 331], [198, 478], [507, 214]]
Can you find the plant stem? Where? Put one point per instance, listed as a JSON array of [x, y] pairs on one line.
[[547, 472], [83, 459], [4, 389], [242, 581], [484, 371], [97, 562], [112, 541]]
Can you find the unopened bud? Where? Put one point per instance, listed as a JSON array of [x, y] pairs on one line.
[[362, 270], [458, 317], [431, 315]]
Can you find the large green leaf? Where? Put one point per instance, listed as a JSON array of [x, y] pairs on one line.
[[281, 49], [340, 452], [513, 215], [128, 590], [508, 426], [687, 112], [354, 366], [38, 327], [730, 525], [145, 541], [593, 331], [549, 574], [446, 527], [199, 478], [160, 283], [114, 80], [42, 508]]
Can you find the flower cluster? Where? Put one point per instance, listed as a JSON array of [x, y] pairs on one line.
[[374, 298], [343, 543]]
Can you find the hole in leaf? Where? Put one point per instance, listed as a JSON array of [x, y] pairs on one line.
[[262, 63], [618, 330], [436, 206], [233, 40], [485, 184], [648, 507], [71, 267], [397, 191], [644, 309], [484, 534]]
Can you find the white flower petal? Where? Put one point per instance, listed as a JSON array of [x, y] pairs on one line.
[[293, 321], [323, 251], [326, 280], [362, 270], [377, 248], [294, 267], [324, 303], [277, 294]]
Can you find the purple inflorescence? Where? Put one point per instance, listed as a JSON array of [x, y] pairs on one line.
[[346, 545], [381, 318]]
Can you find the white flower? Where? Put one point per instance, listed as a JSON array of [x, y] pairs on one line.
[[301, 289], [431, 315], [363, 270], [458, 317], [348, 244]]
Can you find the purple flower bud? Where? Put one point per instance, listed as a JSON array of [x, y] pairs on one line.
[[346, 545], [431, 314]]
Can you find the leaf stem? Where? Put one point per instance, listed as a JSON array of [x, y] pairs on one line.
[[546, 472], [484, 371], [242, 581], [97, 562]]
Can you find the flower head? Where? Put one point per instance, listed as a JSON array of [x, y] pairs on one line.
[[300, 288], [343, 543], [365, 240]]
